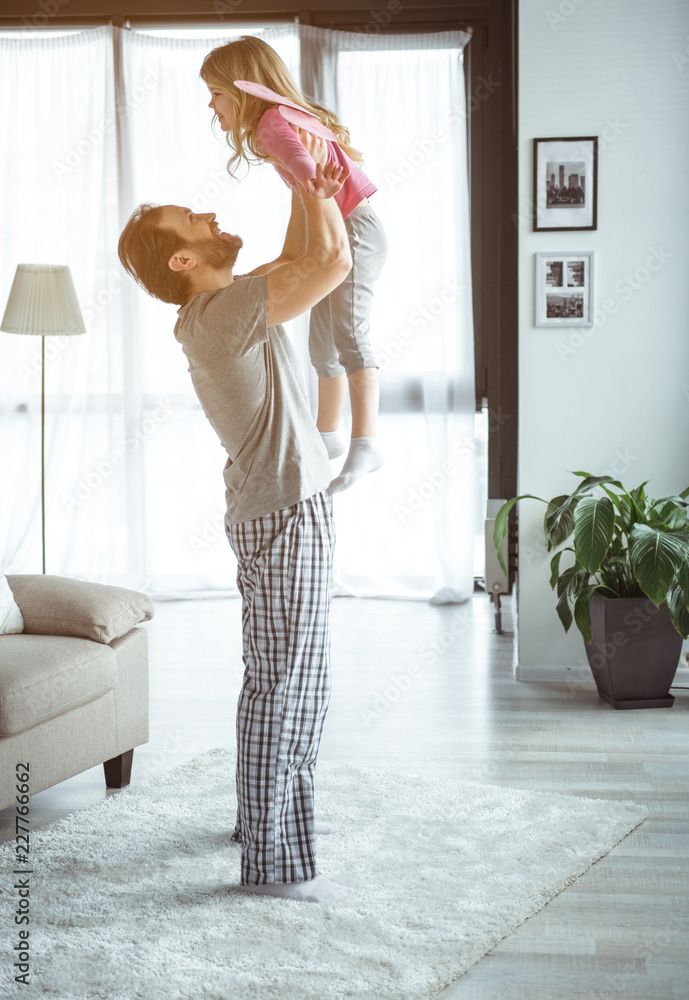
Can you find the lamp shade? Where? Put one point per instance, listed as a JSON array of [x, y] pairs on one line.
[[43, 301]]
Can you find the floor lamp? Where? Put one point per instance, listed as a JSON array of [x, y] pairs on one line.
[[43, 302]]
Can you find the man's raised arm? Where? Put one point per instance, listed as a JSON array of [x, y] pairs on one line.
[[296, 286]]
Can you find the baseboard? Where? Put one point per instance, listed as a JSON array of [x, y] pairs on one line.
[[559, 673]]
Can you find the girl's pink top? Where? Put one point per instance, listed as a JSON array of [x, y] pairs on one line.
[[277, 136]]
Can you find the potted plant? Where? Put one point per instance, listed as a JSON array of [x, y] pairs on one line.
[[634, 613]]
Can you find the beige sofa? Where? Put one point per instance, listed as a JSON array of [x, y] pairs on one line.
[[74, 683]]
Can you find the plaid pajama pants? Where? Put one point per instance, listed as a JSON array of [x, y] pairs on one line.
[[284, 575]]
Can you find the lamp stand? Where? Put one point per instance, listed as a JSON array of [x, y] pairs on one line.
[[42, 302], [43, 446]]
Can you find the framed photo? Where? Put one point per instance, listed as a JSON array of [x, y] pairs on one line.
[[565, 184], [564, 288]]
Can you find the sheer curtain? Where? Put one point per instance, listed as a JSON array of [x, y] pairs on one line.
[[408, 530], [59, 206], [134, 485]]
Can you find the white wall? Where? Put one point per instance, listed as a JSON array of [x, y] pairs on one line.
[[618, 69]]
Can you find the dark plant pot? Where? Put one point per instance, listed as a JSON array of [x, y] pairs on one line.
[[634, 652]]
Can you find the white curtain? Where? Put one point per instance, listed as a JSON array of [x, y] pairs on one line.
[[110, 118], [408, 531]]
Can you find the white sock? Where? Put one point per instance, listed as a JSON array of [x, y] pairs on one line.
[[324, 828], [335, 442], [363, 456], [316, 890]]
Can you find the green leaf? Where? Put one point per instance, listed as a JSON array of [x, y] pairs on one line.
[[672, 515], [565, 580], [655, 522], [683, 579], [618, 547], [501, 523], [555, 569], [591, 481], [656, 556], [582, 611], [639, 498], [558, 522], [580, 582], [594, 522], [679, 613], [675, 499], [623, 506], [564, 613]]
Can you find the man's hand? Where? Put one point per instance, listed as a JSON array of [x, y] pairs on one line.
[[329, 177], [316, 147]]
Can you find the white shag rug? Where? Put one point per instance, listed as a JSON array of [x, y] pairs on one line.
[[135, 898]]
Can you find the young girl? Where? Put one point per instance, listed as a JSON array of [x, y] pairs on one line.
[[257, 129]]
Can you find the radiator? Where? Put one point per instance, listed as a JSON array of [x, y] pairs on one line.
[[496, 581]]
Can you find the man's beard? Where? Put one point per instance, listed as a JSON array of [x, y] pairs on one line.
[[218, 252]]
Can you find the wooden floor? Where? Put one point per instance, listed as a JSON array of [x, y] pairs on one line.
[[621, 931]]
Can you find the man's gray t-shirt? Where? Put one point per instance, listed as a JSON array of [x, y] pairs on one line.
[[250, 384]]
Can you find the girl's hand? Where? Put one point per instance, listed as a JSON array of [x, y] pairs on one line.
[[327, 182]]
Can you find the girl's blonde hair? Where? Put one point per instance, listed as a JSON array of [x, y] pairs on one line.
[[250, 58]]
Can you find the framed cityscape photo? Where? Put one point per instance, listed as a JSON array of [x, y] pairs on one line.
[[564, 288], [565, 184]]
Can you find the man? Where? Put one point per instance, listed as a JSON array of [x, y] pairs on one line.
[[279, 514]]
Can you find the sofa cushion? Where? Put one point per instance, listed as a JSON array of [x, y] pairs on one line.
[[42, 676], [58, 605]]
